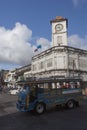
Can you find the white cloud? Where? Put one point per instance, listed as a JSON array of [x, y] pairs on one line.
[[75, 2], [78, 2], [44, 43], [78, 42], [16, 46]]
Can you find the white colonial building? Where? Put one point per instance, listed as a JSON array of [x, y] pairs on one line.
[[60, 60]]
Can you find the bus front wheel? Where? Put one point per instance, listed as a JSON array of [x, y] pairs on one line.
[[70, 104], [40, 108]]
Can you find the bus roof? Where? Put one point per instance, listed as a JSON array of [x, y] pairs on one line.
[[35, 80]]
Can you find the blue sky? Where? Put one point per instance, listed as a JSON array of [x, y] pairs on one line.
[[26, 23]]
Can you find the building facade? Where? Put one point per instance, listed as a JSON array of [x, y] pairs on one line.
[[60, 60]]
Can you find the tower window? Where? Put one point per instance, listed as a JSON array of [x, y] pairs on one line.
[[59, 40]]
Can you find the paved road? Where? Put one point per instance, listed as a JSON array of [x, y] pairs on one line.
[[54, 119]]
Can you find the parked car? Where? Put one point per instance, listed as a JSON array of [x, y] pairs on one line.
[[15, 91]]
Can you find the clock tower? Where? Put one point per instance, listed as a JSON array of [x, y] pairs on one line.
[[59, 31]]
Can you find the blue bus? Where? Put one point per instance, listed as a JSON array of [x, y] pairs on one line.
[[39, 94]]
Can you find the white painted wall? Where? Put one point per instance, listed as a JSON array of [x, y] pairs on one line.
[[61, 60]]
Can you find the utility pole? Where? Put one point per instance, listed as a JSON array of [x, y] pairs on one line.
[[73, 67]]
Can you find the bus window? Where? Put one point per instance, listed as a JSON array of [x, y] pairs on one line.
[[78, 84], [66, 85], [72, 85], [40, 85], [45, 85], [58, 85], [49, 85], [53, 85]]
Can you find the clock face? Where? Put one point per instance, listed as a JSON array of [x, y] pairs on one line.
[[59, 27]]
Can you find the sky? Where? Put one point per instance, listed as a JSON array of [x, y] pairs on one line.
[[25, 24]]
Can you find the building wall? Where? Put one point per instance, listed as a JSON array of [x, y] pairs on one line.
[[60, 61], [50, 62]]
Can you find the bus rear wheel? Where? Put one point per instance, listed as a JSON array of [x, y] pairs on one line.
[[70, 104], [40, 108]]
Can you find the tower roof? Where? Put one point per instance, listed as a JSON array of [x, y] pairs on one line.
[[58, 19]]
